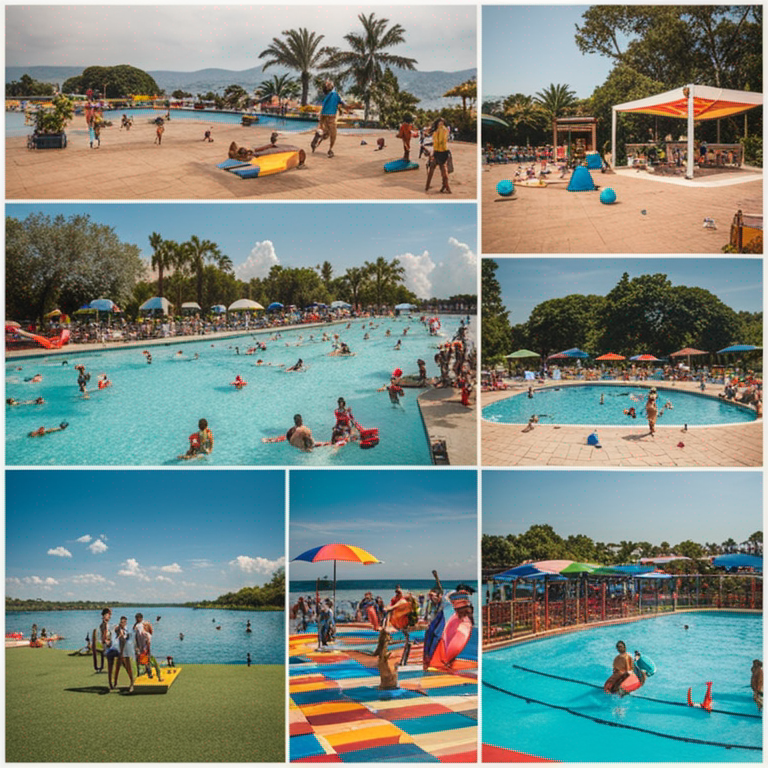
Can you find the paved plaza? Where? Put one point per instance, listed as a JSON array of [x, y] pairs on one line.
[[129, 166], [649, 216], [732, 445]]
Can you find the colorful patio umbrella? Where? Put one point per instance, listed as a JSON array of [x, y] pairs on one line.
[[610, 356], [522, 354], [345, 552], [645, 359], [737, 348], [575, 352], [274, 306], [688, 351]]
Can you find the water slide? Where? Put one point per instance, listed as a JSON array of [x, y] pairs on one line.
[[55, 343]]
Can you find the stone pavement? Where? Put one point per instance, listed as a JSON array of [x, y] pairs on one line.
[[553, 220], [129, 166], [732, 445]]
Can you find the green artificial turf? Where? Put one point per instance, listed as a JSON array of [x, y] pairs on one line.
[[59, 710]]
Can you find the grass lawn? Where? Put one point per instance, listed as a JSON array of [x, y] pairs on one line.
[[58, 710]]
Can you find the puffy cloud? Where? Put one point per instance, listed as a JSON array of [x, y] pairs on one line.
[[455, 272], [38, 582], [98, 547], [133, 569], [173, 568], [16, 582], [84, 539], [417, 273], [201, 562], [60, 552], [164, 578], [91, 578], [256, 564], [260, 260]]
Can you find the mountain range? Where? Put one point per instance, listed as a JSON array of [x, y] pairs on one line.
[[429, 87]]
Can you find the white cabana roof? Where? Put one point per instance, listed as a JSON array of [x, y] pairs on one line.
[[190, 305], [156, 302], [244, 304], [708, 103]]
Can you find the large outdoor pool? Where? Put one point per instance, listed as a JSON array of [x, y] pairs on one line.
[[527, 711], [580, 404], [15, 123], [147, 415], [202, 643]]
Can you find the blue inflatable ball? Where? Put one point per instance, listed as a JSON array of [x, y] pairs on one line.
[[505, 188], [607, 196]]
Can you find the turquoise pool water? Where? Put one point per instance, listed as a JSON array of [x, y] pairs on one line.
[[202, 643], [558, 719], [580, 404], [145, 418]]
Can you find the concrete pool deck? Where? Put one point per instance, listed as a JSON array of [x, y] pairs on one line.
[[730, 445], [129, 166], [648, 217]]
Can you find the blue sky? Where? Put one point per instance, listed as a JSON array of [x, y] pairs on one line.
[[185, 39], [437, 244], [414, 521], [141, 535], [626, 506], [738, 283], [527, 47]]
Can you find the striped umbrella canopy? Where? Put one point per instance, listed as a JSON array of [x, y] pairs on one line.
[[610, 356], [345, 552]]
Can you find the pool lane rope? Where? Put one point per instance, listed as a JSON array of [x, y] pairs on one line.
[[602, 721], [645, 698]]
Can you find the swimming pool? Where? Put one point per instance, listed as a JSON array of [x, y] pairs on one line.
[[580, 404], [575, 722], [202, 643], [146, 416]]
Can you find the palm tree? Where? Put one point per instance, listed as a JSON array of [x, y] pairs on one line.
[[280, 87], [326, 272], [300, 51], [729, 545], [556, 99], [465, 91], [523, 114], [384, 275], [354, 279], [161, 258], [367, 59], [178, 257], [197, 252]]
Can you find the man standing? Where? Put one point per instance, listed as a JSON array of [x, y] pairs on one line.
[[327, 127]]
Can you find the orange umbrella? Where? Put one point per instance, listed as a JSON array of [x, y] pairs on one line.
[[611, 356]]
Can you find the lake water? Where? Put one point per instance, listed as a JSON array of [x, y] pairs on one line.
[[147, 415], [202, 643]]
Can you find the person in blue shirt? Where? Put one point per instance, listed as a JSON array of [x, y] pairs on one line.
[[327, 126]]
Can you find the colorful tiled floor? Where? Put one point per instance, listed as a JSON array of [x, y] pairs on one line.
[[337, 714]]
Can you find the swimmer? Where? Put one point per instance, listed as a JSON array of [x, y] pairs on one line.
[[394, 389], [38, 377], [706, 702], [622, 668], [43, 431], [602, 399], [36, 401], [239, 382], [366, 337], [200, 442], [82, 380], [298, 366], [342, 429], [668, 405], [248, 626], [531, 422], [104, 381], [398, 345], [299, 435], [530, 393], [630, 412]]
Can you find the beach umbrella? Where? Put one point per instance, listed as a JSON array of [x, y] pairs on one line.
[[155, 303], [645, 359], [574, 352], [218, 309], [610, 356], [688, 352], [579, 568], [243, 305], [274, 306], [103, 305], [340, 305], [54, 313], [191, 305], [737, 348], [522, 354], [738, 561], [405, 306], [491, 120], [347, 553]]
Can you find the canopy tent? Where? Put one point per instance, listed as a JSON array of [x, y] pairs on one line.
[[522, 354], [156, 303], [274, 306], [405, 305], [104, 305], [218, 309], [342, 305], [191, 305], [737, 348], [243, 305], [644, 359], [610, 356], [573, 352], [662, 560], [491, 120], [738, 561], [692, 102]]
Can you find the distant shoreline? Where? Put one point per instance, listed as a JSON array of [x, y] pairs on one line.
[[97, 606]]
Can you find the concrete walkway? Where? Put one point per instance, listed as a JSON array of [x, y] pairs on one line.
[[648, 217], [129, 166], [732, 445]]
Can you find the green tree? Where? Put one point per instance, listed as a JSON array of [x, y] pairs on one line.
[[300, 50], [391, 103], [28, 86], [527, 119], [690, 549], [235, 97], [162, 257], [355, 279], [556, 100], [281, 87], [198, 252], [367, 56], [121, 82], [179, 95], [497, 335], [559, 324], [383, 277], [466, 91]]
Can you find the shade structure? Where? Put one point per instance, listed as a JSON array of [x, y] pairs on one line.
[[662, 560], [737, 348], [156, 303], [739, 561], [627, 570], [274, 306], [104, 305], [347, 553], [522, 354], [218, 309], [491, 120], [654, 575], [610, 356], [691, 102], [244, 305], [579, 568], [405, 306], [340, 305], [191, 305], [645, 359], [53, 313], [573, 352], [688, 351]]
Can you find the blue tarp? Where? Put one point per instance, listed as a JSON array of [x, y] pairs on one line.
[[581, 180]]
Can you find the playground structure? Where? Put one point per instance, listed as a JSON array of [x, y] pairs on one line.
[[692, 102], [747, 232], [579, 125]]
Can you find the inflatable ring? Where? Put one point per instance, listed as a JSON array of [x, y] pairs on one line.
[[632, 683]]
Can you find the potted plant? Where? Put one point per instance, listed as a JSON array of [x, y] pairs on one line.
[[50, 123]]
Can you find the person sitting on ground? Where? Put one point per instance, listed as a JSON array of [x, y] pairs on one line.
[[273, 148], [41, 431], [207, 137], [622, 668], [299, 435], [200, 442], [380, 144]]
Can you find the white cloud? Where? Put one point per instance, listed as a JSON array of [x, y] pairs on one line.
[[38, 582], [441, 276], [91, 578], [201, 562], [60, 552], [85, 539], [133, 569], [260, 260], [98, 547], [13, 580], [173, 568], [417, 273], [257, 564], [164, 578]]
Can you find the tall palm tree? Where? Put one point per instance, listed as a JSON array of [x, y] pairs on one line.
[[523, 115], [354, 279], [280, 86], [556, 99], [178, 258], [466, 91], [384, 275], [300, 51], [161, 258], [367, 58], [198, 251]]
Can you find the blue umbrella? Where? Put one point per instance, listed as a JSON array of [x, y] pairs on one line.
[[405, 306], [737, 348], [103, 305], [274, 305], [738, 561], [218, 309], [574, 352]]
